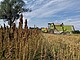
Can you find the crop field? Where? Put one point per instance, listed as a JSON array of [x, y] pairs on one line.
[[38, 46], [32, 44], [64, 47]]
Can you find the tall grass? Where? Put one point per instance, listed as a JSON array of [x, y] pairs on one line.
[[21, 44], [64, 47], [32, 44]]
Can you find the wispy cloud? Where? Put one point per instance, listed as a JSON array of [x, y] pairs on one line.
[[50, 8], [67, 11], [58, 11], [73, 20]]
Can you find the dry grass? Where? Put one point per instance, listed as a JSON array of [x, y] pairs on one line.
[[27, 44], [64, 47], [38, 46]]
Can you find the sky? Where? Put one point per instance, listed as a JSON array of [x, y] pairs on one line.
[[57, 11]]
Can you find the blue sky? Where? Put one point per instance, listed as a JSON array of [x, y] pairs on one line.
[[57, 11]]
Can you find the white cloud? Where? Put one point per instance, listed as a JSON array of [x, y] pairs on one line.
[[50, 8], [71, 21], [1, 0]]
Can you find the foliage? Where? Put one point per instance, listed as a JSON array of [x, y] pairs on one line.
[[76, 32], [10, 10]]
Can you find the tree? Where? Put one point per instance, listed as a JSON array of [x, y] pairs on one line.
[[11, 9]]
